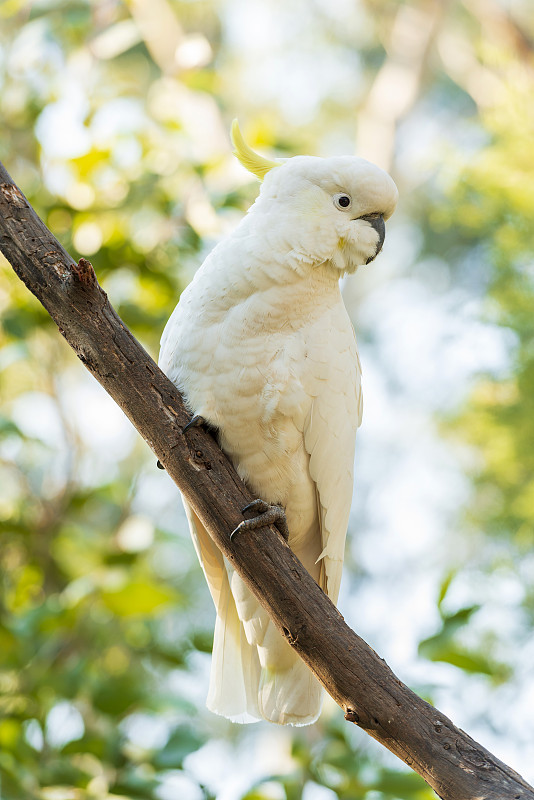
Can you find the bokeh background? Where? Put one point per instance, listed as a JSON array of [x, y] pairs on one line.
[[114, 122]]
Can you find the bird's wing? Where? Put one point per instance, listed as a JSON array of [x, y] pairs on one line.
[[333, 379]]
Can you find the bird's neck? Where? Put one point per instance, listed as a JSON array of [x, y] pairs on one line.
[[284, 300], [266, 295]]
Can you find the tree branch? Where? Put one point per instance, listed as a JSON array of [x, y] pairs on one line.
[[372, 697]]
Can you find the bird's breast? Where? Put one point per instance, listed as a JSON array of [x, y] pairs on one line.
[[241, 361]]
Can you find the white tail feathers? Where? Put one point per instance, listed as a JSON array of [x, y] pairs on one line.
[[255, 674], [250, 682]]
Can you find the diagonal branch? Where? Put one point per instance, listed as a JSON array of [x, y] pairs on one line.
[[452, 763]]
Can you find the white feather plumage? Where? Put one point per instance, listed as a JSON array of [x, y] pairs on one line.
[[261, 346]]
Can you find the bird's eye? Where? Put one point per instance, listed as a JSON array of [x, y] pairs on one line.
[[342, 201]]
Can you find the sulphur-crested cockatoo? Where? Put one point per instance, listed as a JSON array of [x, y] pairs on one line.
[[263, 350]]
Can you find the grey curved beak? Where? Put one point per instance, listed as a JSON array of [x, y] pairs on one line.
[[376, 221]]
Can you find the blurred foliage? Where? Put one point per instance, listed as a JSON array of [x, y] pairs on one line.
[[114, 120], [444, 645], [493, 201], [332, 763]]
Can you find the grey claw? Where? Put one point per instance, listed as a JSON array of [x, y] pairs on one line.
[[257, 505], [268, 514], [239, 528], [195, 422]]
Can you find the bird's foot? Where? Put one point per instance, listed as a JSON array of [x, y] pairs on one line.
[[268, 514], [195, 422]]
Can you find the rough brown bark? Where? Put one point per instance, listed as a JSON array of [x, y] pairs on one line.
[[452, 763]]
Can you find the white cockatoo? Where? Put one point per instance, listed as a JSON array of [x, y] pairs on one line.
[[262, 349]]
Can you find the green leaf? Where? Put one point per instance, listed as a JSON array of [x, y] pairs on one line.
[[445, 584], [116, 696], [182, 741], [402, 786], [439, 648], [139, 598]]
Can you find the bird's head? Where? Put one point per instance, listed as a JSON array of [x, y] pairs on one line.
[[323, 209]]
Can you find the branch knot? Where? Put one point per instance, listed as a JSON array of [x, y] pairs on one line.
[[84, 271], [13, 195]]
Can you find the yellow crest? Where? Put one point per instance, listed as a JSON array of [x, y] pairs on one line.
[[255, 163]]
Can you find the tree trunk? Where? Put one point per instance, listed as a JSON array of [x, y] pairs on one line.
[[372, 697]]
